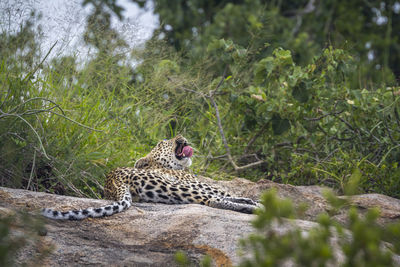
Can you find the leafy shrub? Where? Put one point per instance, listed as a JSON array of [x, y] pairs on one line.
[[363, 242], [21, 231], [308, 124], [183, 261]]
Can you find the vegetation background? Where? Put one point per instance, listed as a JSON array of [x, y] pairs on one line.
[[300, 92], [306, 93]]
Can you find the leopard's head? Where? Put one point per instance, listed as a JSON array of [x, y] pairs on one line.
[[174, 154]]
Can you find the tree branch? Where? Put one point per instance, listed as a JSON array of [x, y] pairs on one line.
[[30, 74], [210, 96], [323, 116], [221, 130], [252, 140]]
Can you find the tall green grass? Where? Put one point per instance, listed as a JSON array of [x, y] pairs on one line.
[[75, 126]]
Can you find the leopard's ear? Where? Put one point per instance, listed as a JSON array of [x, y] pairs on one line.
[[142, 163]]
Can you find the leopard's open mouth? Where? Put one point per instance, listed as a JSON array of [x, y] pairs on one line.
[[183, 150]]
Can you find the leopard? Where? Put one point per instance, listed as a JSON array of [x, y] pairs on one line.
[[162, 176]]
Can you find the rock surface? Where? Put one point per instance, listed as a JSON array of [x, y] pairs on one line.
[[150, 234]]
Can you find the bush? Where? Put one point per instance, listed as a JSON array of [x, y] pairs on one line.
[[363, 242], [21, 231]]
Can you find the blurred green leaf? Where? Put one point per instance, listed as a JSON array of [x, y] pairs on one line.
[[279, 125]]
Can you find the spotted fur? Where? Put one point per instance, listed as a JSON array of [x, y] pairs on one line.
[[159, 177]]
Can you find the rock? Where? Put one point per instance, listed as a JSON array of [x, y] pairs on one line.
[[150, 234], [146, 234]]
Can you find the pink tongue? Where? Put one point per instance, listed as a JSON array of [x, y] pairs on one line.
[[187, 151]]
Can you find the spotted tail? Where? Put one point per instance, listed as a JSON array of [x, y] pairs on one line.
[[81, 214]]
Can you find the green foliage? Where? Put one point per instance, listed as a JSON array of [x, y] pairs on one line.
[[304, 27], [59, 123], [110, 4], [65, 122], [19, 40], [49, 145], [311, 116], [21, 231], [183, 260], [99, 32], [363, 242]]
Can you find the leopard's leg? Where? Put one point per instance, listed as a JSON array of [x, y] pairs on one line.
[[218, 192], [243, 200], [204, 194], [223, 203], [124, 201]]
